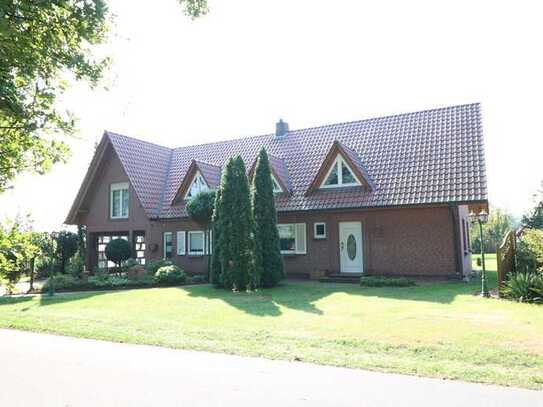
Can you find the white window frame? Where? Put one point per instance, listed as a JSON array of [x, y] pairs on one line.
[[315, 234], [337, 164], [181, 243], [197, 176], [164, 244], [300, 238], [124, 188], [275, 183], [193, 232]]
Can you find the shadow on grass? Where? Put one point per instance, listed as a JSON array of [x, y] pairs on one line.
[[303, 295], [44, 299]]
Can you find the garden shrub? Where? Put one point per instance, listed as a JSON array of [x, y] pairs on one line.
[[118, 251], [530, 251], [152, 267], [524, 287], [61, 281], [377, 281], [170, 275]]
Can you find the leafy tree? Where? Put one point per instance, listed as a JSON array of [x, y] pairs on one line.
[[18, 250], [235, 221], [499, 223], [200, 209], [66, 247], [534, 219], [268, 260], [41, 242], [117, 251], [195, 8], [43, 45]]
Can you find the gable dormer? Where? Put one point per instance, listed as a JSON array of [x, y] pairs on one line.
[[341, 168], [200, 176], [279, 174]]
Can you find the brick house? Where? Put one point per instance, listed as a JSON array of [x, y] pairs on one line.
[[387, 196]]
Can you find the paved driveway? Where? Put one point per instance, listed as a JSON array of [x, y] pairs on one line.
[[47, 370]]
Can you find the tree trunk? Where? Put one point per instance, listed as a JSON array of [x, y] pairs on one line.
[[32, 270]]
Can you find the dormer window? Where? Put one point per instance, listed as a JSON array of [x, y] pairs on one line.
[[339, 175], [198, 185], [276, 187]]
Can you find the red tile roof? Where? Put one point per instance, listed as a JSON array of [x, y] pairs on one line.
[[429, 157]]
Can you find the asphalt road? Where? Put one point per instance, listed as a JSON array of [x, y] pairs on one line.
[[48, 370]]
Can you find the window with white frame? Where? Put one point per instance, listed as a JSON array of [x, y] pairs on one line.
[[181, 243], [119, 200], [198, 185], [339, 175], [319, 230], [196, 242], [168, 245], [292, 238], [276, 187]]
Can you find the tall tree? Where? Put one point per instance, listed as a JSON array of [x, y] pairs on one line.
[[268, 260], [236, 241], [66, 247], [42, 45]]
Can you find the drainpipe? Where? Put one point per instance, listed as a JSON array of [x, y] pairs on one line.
[[458, 260]]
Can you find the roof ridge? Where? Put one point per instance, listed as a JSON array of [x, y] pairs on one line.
[[293, 132]]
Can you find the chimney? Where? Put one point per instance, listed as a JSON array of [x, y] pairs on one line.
[[281, 129]]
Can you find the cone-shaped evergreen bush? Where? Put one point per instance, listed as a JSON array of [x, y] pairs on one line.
[[216, 267], [268, 260], [235, 227]]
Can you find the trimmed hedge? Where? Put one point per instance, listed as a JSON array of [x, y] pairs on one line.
[[376, 281], [170, 275]]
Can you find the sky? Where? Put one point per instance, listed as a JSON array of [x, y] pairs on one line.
[[235, 72]]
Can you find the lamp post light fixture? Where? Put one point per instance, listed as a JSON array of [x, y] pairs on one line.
[[480, 218]]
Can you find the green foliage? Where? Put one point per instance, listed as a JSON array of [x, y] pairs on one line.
[[194, 8], [198, 279], [170, 275], [19, 246], [235, 224], [66, 247], [534, 218], [61, 282], [216, 267], [117, 251], [524, 287], [152, 266], [75, 266], [200, 207], [44, 44], [499, 223], [530, 251], [377, 281], [268, 260]]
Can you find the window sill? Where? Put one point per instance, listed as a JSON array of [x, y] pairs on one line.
[[195, 256], [319, 238], [118, 219]]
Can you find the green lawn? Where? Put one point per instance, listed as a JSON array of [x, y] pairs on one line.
[[438, 330]]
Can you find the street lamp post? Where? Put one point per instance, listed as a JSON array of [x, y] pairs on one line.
[[480, 218]]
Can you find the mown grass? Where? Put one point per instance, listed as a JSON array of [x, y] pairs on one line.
[[438, 330]]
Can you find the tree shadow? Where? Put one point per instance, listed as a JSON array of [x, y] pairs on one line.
[[303, 295]]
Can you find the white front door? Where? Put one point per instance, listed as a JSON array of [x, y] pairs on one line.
[[350, 247]]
